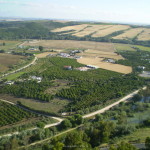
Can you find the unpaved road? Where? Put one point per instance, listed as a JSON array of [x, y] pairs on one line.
[[112, 105], [33, 62], [85, 116], [46, 126]]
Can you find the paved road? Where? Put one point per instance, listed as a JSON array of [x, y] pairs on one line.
[[112, 105]]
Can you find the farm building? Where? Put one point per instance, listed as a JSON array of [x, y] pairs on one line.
[[92, 66], [83, 68], [109, 60], [77, 57], [32, 49], [64, 55], [68, 67], [39, 79], [141, 67], [9, 82]]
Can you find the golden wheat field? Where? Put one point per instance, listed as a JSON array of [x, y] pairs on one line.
[[69, 44], [104, 65], [113, 28], [91, 29], [129, 34], [101, 54], [145, 35], [68, 28]]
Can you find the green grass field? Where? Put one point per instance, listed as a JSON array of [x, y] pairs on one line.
[[51, 107], [128, 47], [14, 76]]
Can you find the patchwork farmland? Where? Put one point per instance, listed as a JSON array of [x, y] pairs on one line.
[[117, 32]]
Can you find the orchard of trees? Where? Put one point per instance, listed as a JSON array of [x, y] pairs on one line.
[[10, 114], [87, 89]]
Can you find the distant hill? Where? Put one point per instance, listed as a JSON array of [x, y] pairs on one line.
[[84, 31]]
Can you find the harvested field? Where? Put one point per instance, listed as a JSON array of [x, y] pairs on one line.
[[100, 54], [113, 28], [69, 44], [91, 29], [42, 55], [69, 28], [7, 60], [104, 65], [145, 35], [129, 34]]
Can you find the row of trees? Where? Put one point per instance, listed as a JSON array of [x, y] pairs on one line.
[[28, 89], [10, 114]]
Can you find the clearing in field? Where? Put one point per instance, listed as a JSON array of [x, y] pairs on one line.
[[114, 28], [104, 65], [71, 28], [8, 60], [129, 34], [90, 30], [145, 35]]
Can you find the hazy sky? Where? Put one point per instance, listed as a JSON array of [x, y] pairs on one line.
[[130, 11]]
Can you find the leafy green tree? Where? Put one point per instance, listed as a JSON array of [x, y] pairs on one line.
[[41, 48], [14, 144], [46, 147], [40, 124], [112, 148], [75, 141], [66, 124], [58, 146], [126, 146], [147, 143]]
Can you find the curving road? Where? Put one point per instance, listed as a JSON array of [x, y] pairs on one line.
[[85, 116], [46, 126], [17, 70]]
